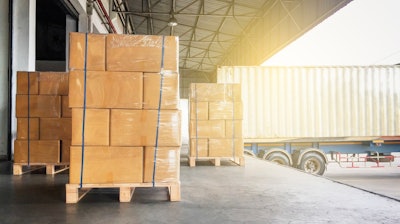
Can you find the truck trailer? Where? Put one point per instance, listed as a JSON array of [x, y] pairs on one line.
[[306, 117]]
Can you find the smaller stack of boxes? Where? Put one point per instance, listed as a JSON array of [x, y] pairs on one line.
[[43, 118], [124, 121], [215, 128]]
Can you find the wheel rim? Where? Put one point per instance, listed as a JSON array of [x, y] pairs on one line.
[[312, 166]]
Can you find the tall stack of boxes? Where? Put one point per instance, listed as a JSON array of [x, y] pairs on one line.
[[43, 119], [215, 128], [127, 131]]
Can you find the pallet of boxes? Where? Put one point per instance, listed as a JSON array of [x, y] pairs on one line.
[[125, 120], [43, 122], [215, 127]]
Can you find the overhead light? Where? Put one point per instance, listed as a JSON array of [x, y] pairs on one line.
[[172, 21]]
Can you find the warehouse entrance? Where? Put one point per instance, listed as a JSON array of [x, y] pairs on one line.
[[54, 21]]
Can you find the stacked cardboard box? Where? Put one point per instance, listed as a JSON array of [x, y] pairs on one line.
[[43, 118], [116, 108], [215, 127]]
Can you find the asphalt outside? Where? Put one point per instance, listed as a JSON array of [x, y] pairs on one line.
[[383, 180]]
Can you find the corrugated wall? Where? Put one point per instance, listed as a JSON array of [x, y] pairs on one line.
[[282, 102]]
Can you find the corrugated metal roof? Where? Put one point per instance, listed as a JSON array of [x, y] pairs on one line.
[[209, 29]]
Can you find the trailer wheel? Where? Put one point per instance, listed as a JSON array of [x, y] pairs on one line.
[[313, 163], [249, 152], [279, 158]]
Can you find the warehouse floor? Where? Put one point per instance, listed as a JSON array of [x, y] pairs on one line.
[[260, 192]]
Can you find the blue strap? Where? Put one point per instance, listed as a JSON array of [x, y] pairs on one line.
[[84, 110], [233, 122], [197, 139], [29, 128], [159, 110]]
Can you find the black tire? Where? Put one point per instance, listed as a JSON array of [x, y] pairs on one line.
[[279, 158], [313, 163]]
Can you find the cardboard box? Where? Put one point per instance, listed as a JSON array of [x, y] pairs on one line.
[[65, 151], [139, 127], [55, 128], [171, 53], [233, 129], [215, 92], [107, 89], [39, 106], [207, 129], [53, 83], [225, 147], [96, 52], [106, 165], [25, 85], [198, 147], [169, 91], [198, 110], [141, 53], [65, 110], [225, 110], [167, 164], [97, 127], [40, 151], [22, 128]]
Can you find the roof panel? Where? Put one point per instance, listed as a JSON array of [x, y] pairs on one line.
[[210, 29]]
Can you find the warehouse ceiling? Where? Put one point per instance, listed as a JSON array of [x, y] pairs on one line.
[[225, 32], [206, 28]]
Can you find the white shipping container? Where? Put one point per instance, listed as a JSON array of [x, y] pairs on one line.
[[302, 102]]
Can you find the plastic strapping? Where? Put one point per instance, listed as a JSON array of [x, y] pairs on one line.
[[197, 139], [159, 110], [233, 122], [29, 128], [84, 110]]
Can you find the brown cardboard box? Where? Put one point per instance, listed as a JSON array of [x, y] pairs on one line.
[[55, 128], [40, 151], [171, 53], [97, 127], [95, 52], [53, 83], [225, 110], [141, 53], [107, 89], [225, 147], [107, 165], [22, 128], [167, 164], [22, 82], [65, 110], [215, 92], [198, 110], [169, 91], [233, 129], [39, 106], [65, 151], [207, 129], [198, 147], [138, 128]]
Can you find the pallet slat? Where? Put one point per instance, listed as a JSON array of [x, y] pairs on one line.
[[51, 169], [216, 160], [74, 192]]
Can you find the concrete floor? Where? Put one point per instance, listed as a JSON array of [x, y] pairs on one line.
[[260, 192]]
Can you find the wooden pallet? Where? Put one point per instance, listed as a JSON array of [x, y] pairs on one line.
[[51, 169], [74, 192], [216, 160]]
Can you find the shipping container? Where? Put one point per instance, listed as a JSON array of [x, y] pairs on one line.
[[290, 109]]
